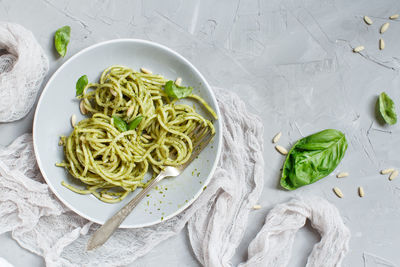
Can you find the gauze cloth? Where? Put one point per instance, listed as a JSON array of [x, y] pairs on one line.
[[23, 66], [216, 221]]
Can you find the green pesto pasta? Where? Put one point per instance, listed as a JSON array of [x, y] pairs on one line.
[[112, 163]]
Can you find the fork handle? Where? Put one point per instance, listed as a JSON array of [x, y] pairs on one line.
[[108, 228]]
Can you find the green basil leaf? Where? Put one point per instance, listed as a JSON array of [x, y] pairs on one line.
[[173, 90], [120, 124], [387, 108], [81, 84], [133, 124], [61, 40], [312, 158]]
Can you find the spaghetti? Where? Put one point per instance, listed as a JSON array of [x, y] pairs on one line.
[[112, 163]]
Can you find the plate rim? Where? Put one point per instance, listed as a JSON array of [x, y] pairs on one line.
[[176, 54]]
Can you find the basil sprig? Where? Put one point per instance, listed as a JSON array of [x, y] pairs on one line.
[[312, 158], [387, 108], [133, 124], [61, 40], [122, 126], [173, 90], [81, 84]]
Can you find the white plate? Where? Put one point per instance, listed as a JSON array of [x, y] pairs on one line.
[[57, 103]]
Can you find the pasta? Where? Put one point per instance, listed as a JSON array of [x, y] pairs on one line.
[[110, 162]]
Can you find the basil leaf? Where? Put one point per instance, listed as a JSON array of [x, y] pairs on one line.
[[173, 90], [61, 40], [120, 124], [312, 158], [387, 108], [81, 84], [133, 124]]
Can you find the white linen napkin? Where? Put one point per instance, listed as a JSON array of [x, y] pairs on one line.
[[23, 66], [216, 220]]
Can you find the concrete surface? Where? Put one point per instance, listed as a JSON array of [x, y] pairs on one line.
[[292, 63]]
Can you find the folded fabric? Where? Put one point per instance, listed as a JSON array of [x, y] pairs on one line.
[[23, 66], [281, 225], [216, 220]]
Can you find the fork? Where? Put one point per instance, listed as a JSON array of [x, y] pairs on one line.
[[201, 138]]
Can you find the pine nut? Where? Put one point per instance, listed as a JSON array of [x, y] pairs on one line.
[[277, 137], [256, 207], [368, 20], [361, 191], [395, 16], [130, 111], [384, 27], [281, 149], [146, 71], [393, 175], [387, 171], [381, 44], [358, 49], [342, 174], [82, 107], [338, 192], [73, 120], [178, 81]]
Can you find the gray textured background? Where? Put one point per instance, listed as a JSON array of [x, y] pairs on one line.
[[292, 63]]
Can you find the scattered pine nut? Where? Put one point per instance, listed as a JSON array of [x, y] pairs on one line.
[[342, 174], [384, 27], [113, 92], [338, 192], [146, 71], [361, 191], [61, 142], [73, 120], [368, 20], [256, 207], [381, 44], [281, 149], [277, 137], [393, 175], [387, 171], [82, 107], [82, 138], [395, 16], [358, 49], [130, 111], [178, 81]]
